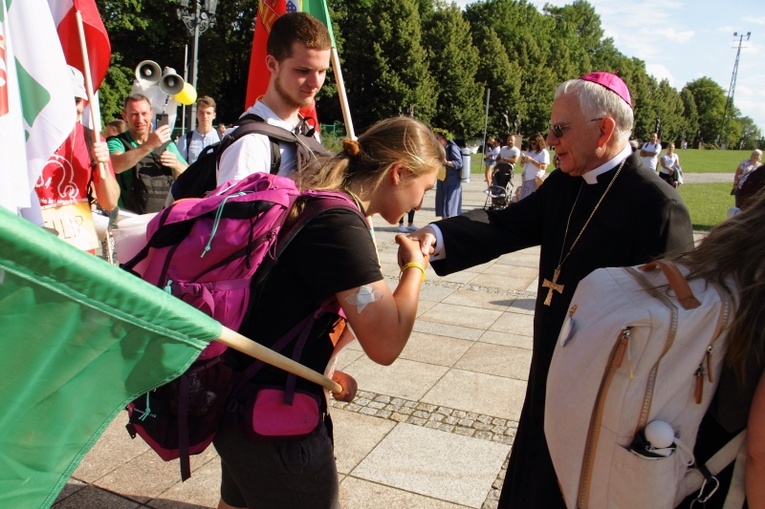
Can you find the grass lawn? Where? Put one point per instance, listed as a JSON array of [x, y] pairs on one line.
[[692, 161], [707, 203], [710, 161]]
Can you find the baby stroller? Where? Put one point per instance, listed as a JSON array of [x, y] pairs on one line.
[[500, 192]]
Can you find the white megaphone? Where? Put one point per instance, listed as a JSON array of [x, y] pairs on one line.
[[148, 73], [171, 83]]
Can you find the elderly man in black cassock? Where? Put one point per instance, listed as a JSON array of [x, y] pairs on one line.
[[601, 209]]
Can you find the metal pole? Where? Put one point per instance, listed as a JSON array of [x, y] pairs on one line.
[[731, 91], [194, 55], [486, 119], [185, 78]]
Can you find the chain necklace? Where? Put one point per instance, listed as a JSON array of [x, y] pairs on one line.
[[554, 285]]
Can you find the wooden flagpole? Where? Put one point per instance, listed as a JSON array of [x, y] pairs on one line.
[[88, 84], [247, 346], [335, 59]]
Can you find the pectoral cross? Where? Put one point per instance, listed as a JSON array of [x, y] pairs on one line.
[[552, 285]]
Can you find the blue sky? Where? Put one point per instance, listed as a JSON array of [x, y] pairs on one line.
[[683, 40]]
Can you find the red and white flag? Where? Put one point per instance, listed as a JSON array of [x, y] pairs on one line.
[[36, 112], [96, 39]]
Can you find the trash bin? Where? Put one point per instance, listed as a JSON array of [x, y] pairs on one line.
[[466, 165]]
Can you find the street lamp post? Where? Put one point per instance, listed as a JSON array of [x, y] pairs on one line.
[[197, 16]]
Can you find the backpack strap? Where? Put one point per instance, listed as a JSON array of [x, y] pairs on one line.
[[677, 281], [305, 145], [318, 203], [702, 480], [189, 135], [255, 124]]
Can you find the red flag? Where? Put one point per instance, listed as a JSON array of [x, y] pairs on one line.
[[257, 81], [97, 40]]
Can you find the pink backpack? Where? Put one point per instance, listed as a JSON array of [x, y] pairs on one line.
[[210, 252]]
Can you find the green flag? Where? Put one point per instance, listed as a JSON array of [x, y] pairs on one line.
[[318, 9], [81, 338]]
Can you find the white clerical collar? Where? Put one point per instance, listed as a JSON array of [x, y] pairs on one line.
[[591, 177]]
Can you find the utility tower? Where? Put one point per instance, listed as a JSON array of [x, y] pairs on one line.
[[731, 89]]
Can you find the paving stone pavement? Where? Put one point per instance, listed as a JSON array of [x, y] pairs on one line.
[[431, 431]]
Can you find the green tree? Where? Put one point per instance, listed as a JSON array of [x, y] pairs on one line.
[[453, 62], [750, 134], [525, 34], [502, 77], [690, 116], [668, 108], [606, 57], [642, 87], [224, 57], [116, 86], [710, 104], [386, 64], [575, 37], [150, 30]]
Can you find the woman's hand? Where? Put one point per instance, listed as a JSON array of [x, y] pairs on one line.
[[349, 384], [416, 247]]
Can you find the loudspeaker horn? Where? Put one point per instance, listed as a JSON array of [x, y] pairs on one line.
[[171, 83], [148, 72]]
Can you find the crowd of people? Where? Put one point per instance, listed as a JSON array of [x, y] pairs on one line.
[[605, 205]]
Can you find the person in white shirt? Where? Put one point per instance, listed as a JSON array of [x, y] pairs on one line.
[[535, 163], [509, 153], [297, 56], [670, 162], [491, 154], [650, 152], [192, 143]]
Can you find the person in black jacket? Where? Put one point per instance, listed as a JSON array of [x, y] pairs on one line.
[[601, 209]]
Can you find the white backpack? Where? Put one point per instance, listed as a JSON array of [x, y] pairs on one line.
[[639, 346]]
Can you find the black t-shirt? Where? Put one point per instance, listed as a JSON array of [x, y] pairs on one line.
[[332, 253]]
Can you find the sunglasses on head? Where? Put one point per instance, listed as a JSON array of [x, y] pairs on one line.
[[560, 129]]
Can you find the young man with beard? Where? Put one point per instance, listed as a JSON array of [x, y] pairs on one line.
[[297, 56]]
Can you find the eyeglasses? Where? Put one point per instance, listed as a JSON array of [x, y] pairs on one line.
[[559, 129]]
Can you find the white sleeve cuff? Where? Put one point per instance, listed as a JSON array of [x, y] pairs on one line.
[[440, 251]]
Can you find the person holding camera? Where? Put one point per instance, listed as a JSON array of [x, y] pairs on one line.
[[144, 158]]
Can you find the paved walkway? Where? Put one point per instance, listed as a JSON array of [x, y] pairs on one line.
[[431, 431]]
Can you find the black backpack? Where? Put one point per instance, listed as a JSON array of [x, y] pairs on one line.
[[201, 176]]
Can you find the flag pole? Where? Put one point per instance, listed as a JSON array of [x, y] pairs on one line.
[[321, 11], [88, 83], [335, 58], [247, 346], [486, 119]]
